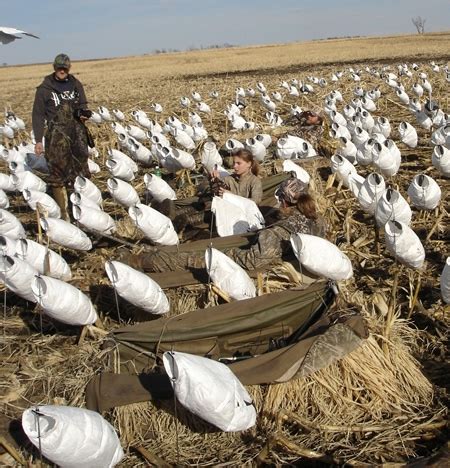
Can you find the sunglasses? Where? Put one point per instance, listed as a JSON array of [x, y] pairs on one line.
[[65, 70]]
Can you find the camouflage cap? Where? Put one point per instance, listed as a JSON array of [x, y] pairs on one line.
[[61, 61], [290, 190]]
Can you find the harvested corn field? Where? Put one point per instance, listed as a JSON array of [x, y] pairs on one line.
[[385, 401]]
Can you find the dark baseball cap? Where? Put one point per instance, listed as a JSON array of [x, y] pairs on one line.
[[61, 61]]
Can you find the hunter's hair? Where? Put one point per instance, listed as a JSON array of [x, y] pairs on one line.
[[307, 206]]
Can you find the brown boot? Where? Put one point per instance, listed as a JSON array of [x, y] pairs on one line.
[[60, 196]]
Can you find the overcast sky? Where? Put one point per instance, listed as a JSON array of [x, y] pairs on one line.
[[86, 29]]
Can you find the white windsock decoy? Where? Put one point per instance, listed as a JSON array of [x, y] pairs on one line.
[[258, 150], [415, 105], [58, 430], [214, 94], [137, 288], [28, 181], [118, 115], [426, 85], [47, 205], [385, 161], [367, 121], [105, 114], [249, 126], [264, 138], [6, 131], [408, 134], [371, 191], [347, 149], [445, 282], [154, 225], [6, 183], [392, 206], [156, 107], [120, 169], [355, 182], [342, 167], [200, 132], [417, 90], [79, 199], [306, 150], [296, 109], [360, 136], [277, 96], [210, 156], [338, 118], [44, 260], [62, 301], [293, 91], [141, 118], [173, 121], [119, 155], [176, 159], [228, 276], [4, 200], [441, 160], [185, 101], [237, 121], [288, 147], [299, 172], [17, 276], [187, 129], [250, 92], [274, 119], [261, 87], [368, 104], [196, 96], [88, 189], [65, 234], [233, 146], [95, 118], [141, 153], [10, 226], [424, 192], [240, 92], [321, 257], [136, 132], [268, 103], [349, 111], [118, 128], [403, 243], [194, 118], [93, 167], [183, 139], [423, 119], [122, 192], [338, 131], [219, 397], [94, 220], [402, 96], [7, 246], [203, 107], [158, 188], [358, 91]]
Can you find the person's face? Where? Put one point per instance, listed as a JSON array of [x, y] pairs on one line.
[[61, 73], [313, 120], [240, 166]]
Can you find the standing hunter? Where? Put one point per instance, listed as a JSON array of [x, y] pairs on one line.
[[59, 113]]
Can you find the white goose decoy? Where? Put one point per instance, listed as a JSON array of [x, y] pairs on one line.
[[424, 192], [8, 35], [417, 90], [196, 96], [118, 114], [445, 282], [392, 207], [185, 101], [250, 92], [408, 134], [402, 242], [371, 191], [156, 107], [441, 160], [105, 114], [214, 94]]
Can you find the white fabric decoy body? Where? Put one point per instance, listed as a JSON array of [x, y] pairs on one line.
[[10, 226], [403, 243], [210, 390], [392, 206], [122, 192], [137, 288], [321, 257], [445, 282], [72, 437], [17, 275], [424, 192], [65, 234], [62, 301], [228, 276], [158, 188], [94, 220], [371, 191]]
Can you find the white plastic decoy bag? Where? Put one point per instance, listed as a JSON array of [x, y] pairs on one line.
[[234, 215], [10, 226], [88, 189], [123, 192], [46, 202], [445, 282], [371, 191], [72, 437], [17, 276], [210, 390], [155, 226], [46, 261], [228, 276], [137, 288], [66, 234], [94, 220], [321, 257], [403, 243], [300, 173], [424, 192], [392, 206], [158, 188], [62, 301]]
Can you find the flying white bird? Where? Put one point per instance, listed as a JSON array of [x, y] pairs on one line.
[[8, 35]]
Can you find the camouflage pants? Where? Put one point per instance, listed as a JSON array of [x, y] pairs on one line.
[[66, 149]]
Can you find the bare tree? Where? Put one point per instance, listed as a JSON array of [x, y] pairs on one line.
[[419, 23]]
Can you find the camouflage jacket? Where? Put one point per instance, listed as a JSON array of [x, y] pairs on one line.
[[248, 186]]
